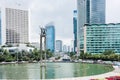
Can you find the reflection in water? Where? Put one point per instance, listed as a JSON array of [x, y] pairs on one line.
[[14, 71], [33, 71], [84, 70], [43, 72], [65, 70], [52, 71]]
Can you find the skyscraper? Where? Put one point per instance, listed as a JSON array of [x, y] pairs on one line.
[[50, 37], [15, 26], [64, 48], [58, 46], [97, 12], [68, 48], [75, 29], [89, 12], [72, 46], [0, 29]]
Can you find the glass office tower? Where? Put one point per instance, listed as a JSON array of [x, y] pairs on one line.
[[50, 37], [89, 12], [97, 11], [75, 29], [101, 37], [81, 20], [0, 29]]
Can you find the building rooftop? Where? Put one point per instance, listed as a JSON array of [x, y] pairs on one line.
[[102, 24]]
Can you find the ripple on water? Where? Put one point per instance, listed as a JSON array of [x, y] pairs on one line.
[[53, 70]]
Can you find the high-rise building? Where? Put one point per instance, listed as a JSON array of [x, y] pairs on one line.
[[75, 29], [97, 11], [89, 12], [50, 37], [72, 46], [101, 37], [64, 48], [68, 48], [0, 29], [15, 26], [58, 46]]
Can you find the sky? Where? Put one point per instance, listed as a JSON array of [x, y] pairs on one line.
[[60, 12]]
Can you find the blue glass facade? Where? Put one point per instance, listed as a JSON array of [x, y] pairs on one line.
[[75, 29], [97, 11], [101, 37], [0, 30], [50, 37], [89, 12]]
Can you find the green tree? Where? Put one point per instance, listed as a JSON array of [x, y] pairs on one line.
[[48, 53], [36, 54], [9, 58], [2, 58], [5, 52], [108, 52], [72, 54], [82, 55]]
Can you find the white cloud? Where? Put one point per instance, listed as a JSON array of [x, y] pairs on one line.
[[113, 12], [61, 13], [58, 11]]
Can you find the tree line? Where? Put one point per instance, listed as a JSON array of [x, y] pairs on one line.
[[107, 55], [6, 56]]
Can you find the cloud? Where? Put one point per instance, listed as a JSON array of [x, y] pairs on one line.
[[60, 12], [45, 11], [112, 11]]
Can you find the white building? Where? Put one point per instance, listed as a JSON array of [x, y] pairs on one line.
[[36, 45], [14, 26], [64, 48], [21, 47], [58, 46]]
